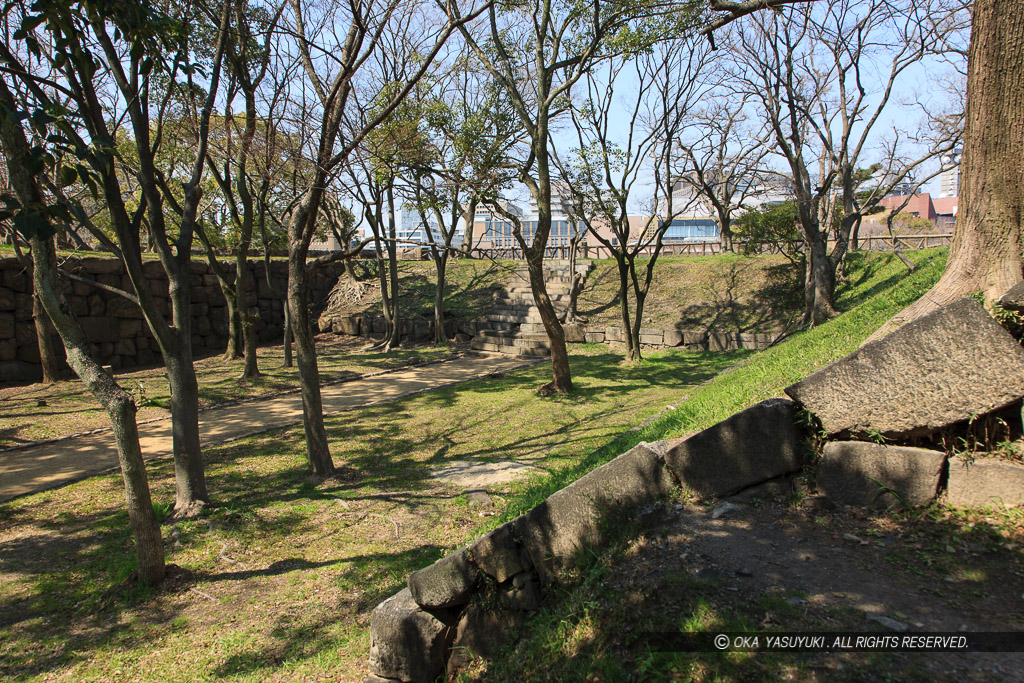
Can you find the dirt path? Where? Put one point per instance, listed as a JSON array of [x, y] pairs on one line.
[[54, 464]]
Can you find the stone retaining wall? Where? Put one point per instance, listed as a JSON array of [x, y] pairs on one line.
[[412, 329], [698, 340], [115, 325], [464, 604]]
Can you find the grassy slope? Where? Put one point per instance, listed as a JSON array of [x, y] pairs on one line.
[[470, 286], [722, 292]]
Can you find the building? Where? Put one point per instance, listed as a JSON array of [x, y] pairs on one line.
[[411, 231], [949, 180], [919, 206]]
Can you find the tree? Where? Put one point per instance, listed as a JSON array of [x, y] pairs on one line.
[[605, 171], [808, 71], [248, 58], [722, 159], [115, 62], [536, 51], [986, 253], [334, 87], [35, 218]]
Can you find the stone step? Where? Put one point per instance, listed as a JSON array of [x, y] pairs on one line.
[[496, 325], [510, 350]]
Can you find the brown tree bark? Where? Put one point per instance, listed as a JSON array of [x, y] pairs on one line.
[[986, 251], [118, 403]]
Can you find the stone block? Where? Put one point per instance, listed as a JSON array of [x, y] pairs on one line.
[[129, 328], [575, 333], [346, 325], [99, 330], [97, 266], [653, 339], [695, 338], [201, 325], [878, 476], [119, 307], [16, 279], [498, 555], [29, 353], [446, 583], [407, 643], [96, 304], [109, 279], [570, 519], [934, 371], [6, 299], [720, 341], [523, 594], [481, 633], [594, 337], [197, 309], [616, 334], [125, 347], [985, 481], [78, 305], [8, 349], [16, 371], [752, 446], [6, 325], [672, 337]]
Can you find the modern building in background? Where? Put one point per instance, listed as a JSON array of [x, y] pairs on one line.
[[949, 180]]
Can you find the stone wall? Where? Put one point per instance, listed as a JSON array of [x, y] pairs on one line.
[[465, 604], [115, 325], [698, 340]]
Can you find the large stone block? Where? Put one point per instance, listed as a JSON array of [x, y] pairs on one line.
[[569, 520], [16, 371], [594, 337], [8, 349], [482, 633], [498, 555], [6, 326], [407, 643], [98, 330], [878, 476], [985, 481], [574, 333], [446, 583], [97, 266], [673, 337], [752, 446], [615, 334], [119, 307], [6, 299], [942, 368]]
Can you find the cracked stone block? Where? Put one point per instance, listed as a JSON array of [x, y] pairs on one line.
[[407, 643], [934, 371]]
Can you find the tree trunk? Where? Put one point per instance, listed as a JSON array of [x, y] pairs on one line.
[[119, 406], [47, 354], [319, 453], [441, 263], [725, 231], [395, 338], [246, 317], [819, 283], [632, 352], [986, 251], [234, 348], [287, 335], [189, 474]]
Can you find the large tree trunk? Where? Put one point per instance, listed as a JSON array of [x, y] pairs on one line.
[[319, 453], [986, 251]]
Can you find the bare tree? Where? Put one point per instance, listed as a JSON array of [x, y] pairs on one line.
[[536, 52], [331, 71], [605, 172], [722, 159]]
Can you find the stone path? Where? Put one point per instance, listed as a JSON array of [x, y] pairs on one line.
[[54, 464]]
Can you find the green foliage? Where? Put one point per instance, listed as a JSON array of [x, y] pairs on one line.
[[772, 226]]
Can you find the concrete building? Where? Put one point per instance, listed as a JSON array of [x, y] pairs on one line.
[[949, 180]]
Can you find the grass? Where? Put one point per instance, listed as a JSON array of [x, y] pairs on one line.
[[68, 408], [723, 292], [470, 288], [278, 580]]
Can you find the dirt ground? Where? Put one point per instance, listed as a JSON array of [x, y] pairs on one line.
[[765, 565]]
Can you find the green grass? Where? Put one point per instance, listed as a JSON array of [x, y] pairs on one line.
[[280, 581]]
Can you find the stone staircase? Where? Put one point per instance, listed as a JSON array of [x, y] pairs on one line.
[[514, 325]]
